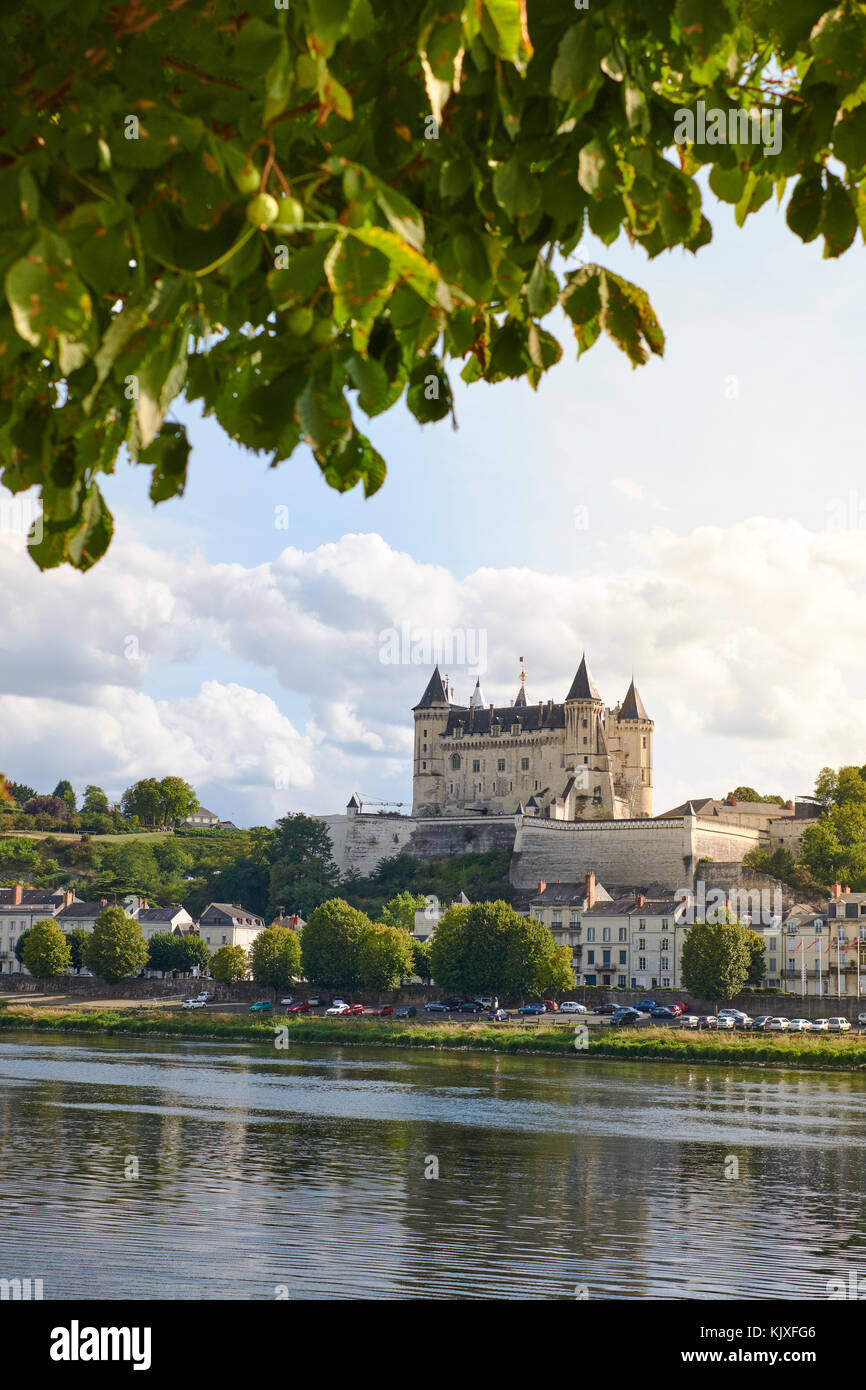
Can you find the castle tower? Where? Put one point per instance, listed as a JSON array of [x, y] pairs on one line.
[[587, 758], [633, 730], [428, 769]]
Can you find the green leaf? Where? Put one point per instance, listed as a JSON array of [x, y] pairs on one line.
[[50, 305], [758, 189], [597, 170], [543, 290], [168, 455], [838, 219], [628, 318], [576, 74], [804, 209], [516, 188], [352, 459], [503, 29], [727, 184]]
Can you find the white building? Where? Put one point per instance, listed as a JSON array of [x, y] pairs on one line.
[[227, 924], [172, 918], [20, 909]]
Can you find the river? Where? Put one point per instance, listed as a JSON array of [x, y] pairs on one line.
[[192, 1170]]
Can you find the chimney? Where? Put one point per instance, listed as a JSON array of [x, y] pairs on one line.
[[846, 889], [639, 899], [542, 884], [103, 902], [589, 888], [732, 800], [837, 890], [789, 805], [17, 894], [68, 897]]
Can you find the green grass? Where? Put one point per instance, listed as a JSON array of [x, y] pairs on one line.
[[655, 1044]]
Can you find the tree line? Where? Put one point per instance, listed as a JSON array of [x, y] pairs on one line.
[[147, 803]]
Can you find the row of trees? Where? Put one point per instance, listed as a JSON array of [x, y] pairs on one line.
[[834, 848], [149, 802]]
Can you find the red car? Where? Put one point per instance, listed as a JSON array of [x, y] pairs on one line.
[[302, 1007], [551, 1006], [679, 1006], [381, 1009], [354, 1009]]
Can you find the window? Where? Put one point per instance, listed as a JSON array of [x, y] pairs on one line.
[[774, 940], [641, 945], [622, 957], [642, 923], [524, 764], [623, 933], [557, 917], [585, 741], [500, 765], [665, 943], [455, 763], [643, 742], [665, 963], [476, 764], [664, 924], [641, 963], [585, 725], [605, 933], [590, 957], [590, 933], [620, 979], [423, 767], [772, 965], [575, 920]]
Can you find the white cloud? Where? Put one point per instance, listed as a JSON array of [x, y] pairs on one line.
[[746, 641]]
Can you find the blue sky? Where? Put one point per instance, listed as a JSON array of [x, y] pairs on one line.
[[721, 559]]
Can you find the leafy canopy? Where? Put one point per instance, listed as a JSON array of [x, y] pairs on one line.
[[296, 214]]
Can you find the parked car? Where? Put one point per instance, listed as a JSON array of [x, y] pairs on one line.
[[625, 1015], [551, 1006], [647, 1004], [744, 1024], [289, 999], [470, 1006], [436, 1006], [381, 1010], [261, 1006], [798, 1025], [486, 1002], [838, 1025], [680, 1007], [453, 1001], [571, 1006], [192, 1004], [529, 1009], [205, 997], [407, 1011], [777, 1025], [663, 1011], [819, 1025], [708, 1021], [732, 1013], [355, 1009], [499, 1015], [725, 1021], [690, 1020], [302, 1007], [861, 1019], [314, 1001], [338, 1008], [760, 1023], [607, 1010]]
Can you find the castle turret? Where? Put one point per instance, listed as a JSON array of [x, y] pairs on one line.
[[428, 773], [632, 733], [587, 758]]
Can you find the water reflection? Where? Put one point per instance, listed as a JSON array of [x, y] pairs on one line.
[[258, 1168]]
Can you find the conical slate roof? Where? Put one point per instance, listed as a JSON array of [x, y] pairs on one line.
[[521, 696], [632, 707], [477, 698], [583, 686], [435, 692]]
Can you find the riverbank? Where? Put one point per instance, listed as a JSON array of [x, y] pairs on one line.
[[652, 1044]]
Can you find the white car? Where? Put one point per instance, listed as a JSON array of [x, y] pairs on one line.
[[838, 1025], [570, 1006], [708, 1021], [732, 1013], [798, 1025], [289, 999], [689, 1020], [724, 1021], [777, 1025], [338, 1008], [861, 1018], [192, 1004], [818, 1025]]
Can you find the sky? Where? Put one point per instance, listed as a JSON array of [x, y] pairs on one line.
[[698, 522]]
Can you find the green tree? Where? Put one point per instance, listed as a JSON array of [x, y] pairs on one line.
[[20, 793], [757, 960], [163, 952], [65, 791], [116, 947], [95, 802], [281, 182], [717, 959], [488, 947], [20, 945], [77, 938], [385, 957], [749, 794], [421, 959], [400, 910], [302, 870], [331, 942], [177, 799], [275, 956], [46, 951], [192, 952], [144, 800], [229, 964]]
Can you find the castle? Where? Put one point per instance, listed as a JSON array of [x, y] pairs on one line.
[[571, 761]]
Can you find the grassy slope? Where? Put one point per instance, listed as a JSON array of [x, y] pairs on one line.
[[846, 1053]]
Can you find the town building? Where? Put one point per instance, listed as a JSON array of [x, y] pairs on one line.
[[201, 819], [569, 760], [20, 909], [173, 918], [228, 924]]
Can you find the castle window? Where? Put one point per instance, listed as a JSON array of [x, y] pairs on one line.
[[423, 767], [455, 762], [500, 765], [643, 742], [585, 741], [585, 725], [642, 775], [476, 764], [524, 764]]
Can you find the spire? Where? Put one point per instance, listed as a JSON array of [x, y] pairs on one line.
[[477, 700], [521, 694], [632, 705], [435, 692], [583, 686]]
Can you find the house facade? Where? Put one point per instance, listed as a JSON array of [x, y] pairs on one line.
[[228, 924], [20, 909]]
